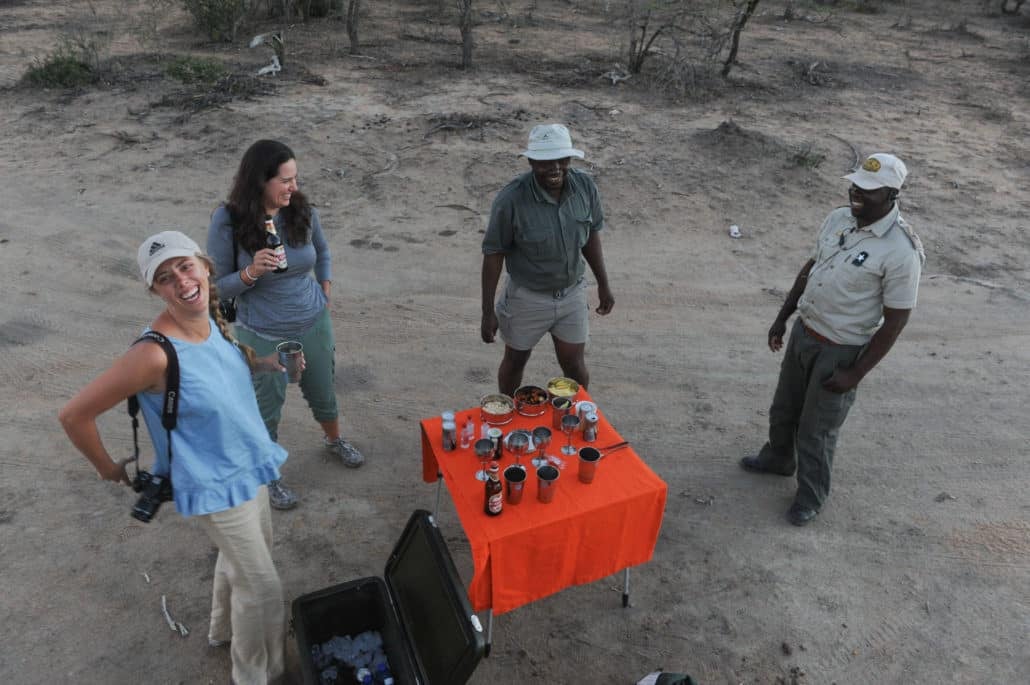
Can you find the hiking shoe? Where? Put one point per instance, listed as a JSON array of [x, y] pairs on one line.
[[348, 453], [800, 515], [280, 496], [756, 465]]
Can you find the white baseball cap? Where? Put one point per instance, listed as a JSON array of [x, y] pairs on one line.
[[550, 141], [161, 247], [879, 171]]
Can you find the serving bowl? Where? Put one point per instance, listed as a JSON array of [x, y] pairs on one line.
[[562, 387], [496, 409], [531, 400]]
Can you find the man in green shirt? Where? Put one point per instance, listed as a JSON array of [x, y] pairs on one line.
[[544, 227]]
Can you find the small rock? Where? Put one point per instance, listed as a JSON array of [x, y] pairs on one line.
[[787, 651], [944, 496]]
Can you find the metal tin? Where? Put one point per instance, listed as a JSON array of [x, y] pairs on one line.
[[583, 408], [496, 418], [590, 427], [562, 387], [524, 403], [560, 406], [450, 436], [496, 436]]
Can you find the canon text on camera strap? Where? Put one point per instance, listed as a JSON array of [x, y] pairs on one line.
[[170, 406]]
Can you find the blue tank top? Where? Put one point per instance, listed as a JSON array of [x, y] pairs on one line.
[[221, 452]]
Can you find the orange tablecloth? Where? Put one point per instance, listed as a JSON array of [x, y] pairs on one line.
[[533, 550]]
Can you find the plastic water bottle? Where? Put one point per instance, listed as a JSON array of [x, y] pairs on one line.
[[383, 676], [364, 676], [468, 433]]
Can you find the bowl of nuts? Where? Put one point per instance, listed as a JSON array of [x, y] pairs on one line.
[[496, 409], [531, 400]]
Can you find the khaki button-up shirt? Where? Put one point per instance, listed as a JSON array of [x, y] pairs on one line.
[[858, 272], [542, 239]]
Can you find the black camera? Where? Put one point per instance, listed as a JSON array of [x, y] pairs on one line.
[[155, 490]]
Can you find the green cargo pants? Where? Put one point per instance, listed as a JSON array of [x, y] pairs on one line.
[[317, 384], [805, 419]]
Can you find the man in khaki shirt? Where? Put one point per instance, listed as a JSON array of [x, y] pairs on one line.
[[853, 296]]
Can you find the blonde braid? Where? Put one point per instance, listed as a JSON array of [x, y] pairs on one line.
[[215, 310]]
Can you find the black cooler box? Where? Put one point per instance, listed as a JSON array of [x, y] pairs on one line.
[[430, 634]]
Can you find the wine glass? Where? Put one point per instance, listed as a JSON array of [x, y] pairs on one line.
[[569, 424], [518, 443], [484, 448], [541, 438]]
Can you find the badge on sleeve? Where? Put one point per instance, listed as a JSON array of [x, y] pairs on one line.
[[860, 258]]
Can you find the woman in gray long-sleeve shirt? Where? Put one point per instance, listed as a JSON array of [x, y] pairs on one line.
[[274, 307]]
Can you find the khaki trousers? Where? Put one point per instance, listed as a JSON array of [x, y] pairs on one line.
[[247, 602]]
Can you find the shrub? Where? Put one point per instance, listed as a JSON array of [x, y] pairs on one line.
[[195, 70], [808, 157], [220, 19], [65, 67]]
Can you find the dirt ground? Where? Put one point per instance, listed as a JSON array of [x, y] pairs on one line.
[[916, 571]]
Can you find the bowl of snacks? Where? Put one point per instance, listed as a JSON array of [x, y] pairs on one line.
[[531, 400], [562, 387], [496, 409]]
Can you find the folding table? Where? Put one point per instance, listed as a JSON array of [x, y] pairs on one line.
[[532, 549]]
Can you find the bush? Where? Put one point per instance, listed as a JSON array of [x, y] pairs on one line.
[[808, 157], [65, 67], [195, 70], [220, 19]]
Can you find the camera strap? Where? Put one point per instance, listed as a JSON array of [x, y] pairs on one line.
[[170, 406]]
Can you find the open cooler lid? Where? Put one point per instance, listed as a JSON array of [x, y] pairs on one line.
[[445, 635]]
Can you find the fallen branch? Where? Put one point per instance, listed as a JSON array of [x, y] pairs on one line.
[[983, 284], [856, 158], [596, 108], [175, 626], [460, 207], [482, 98], [124, 137], [445, 127]]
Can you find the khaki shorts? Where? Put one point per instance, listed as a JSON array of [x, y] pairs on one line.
[[524, 315]]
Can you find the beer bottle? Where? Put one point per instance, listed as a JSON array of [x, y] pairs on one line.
[[494, 500], [275, 244]]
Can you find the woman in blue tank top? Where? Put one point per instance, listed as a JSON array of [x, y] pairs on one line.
[[221, 458]]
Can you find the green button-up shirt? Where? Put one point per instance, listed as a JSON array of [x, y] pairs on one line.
[[542, 239]]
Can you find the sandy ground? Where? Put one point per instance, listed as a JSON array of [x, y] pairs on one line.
[[918, 568]]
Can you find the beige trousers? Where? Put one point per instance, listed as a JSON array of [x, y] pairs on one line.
[[247, 602]]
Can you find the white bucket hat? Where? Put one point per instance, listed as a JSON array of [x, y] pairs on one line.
[[550, 141], [160, 247], [879, 171]]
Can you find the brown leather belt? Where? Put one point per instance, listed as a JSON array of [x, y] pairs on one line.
[[821, 338]]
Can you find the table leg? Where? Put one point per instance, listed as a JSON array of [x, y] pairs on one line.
[[439, 484], [625, 588], [489, 631]]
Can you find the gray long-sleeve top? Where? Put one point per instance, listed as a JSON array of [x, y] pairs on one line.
[[277, 306]]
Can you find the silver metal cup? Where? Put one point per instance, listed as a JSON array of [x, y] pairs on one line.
[[547, 480], [514, 483], [588, 458], [561, 406], [290, 353]]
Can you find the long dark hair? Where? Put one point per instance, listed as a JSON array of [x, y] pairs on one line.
[[260, 163]]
